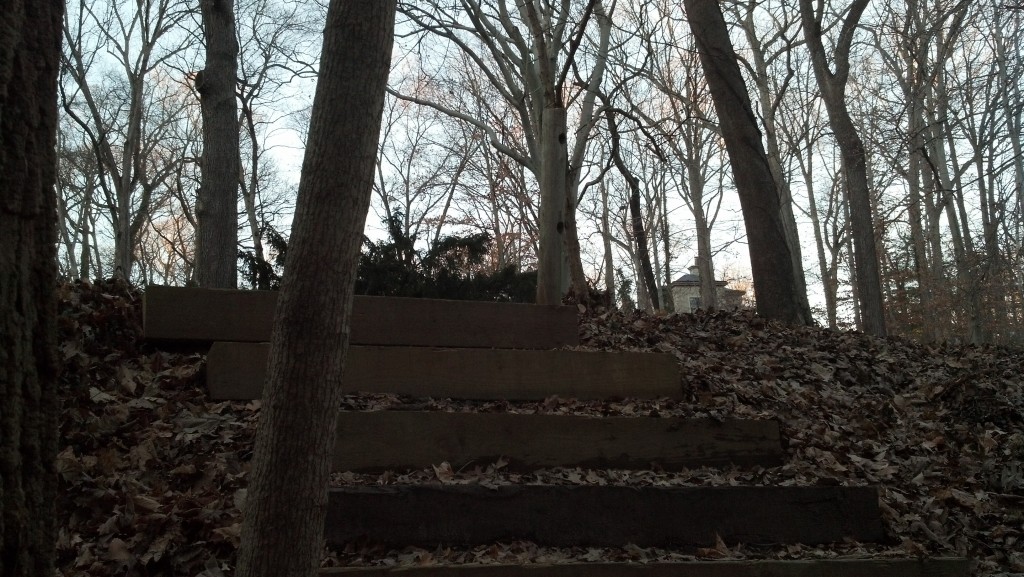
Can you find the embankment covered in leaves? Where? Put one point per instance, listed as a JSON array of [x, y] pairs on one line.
[[153, 474]]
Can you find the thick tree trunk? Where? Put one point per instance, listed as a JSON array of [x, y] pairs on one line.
[[217, 205], [771, 258], [573, 261], [552, 207], [550, 261], [29, 367], [282, 535]]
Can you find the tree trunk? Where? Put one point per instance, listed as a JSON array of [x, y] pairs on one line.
[[770, 254], [648, 282], [282, 535], [29, 402], [587, 120], [833, 93], [552, 207], [606, 241], [963, 248], [217, 202], [250, 191], [705, 264], [768, 107]]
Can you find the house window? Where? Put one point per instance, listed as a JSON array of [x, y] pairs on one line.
[[694, 303]]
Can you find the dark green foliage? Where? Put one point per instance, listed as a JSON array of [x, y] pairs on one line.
[[624, 290], [261, 274], [452, 268]]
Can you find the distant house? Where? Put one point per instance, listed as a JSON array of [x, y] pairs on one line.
[[686, 293]]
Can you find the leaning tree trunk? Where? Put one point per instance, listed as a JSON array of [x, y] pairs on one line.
[[851, 147], [771, 262], [29, 405], [286, 506], [217, 205], [636, 219], [768, 119]]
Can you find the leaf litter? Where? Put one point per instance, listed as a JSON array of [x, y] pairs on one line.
[[153, 473]]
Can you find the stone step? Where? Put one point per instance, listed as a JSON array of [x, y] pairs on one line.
[[192, 314], [602, 516], [381, 440], [237, 371], [940, 567]]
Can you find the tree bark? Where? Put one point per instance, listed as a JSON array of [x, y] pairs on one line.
[[768, 106], [606, 242], [828, 286], [770, 254], [833, 93], [217, 202], [282, 535], [29, 58], [702, 226], [643, 255], [552, 207]]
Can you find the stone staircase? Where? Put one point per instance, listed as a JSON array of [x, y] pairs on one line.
[[489, 351]]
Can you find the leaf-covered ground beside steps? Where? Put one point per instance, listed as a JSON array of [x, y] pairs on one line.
[[153, 473]]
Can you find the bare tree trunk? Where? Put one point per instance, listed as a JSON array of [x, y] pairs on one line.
[[29, 400], [705, 263], [770, 254], [833, 93], [851, 263], [84, 226], [643, 256], [1009, 101], [287, 498], [922, 266], [217, 204], [586, 123], [552, 207], [666, 243], [706, 267], [768, 106], [250, 191], [606, 240], [807, 171], [960, 234]]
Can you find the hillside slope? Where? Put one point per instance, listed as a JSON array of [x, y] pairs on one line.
[[153, 473]]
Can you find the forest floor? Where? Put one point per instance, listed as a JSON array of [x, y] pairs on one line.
[[152, 473]]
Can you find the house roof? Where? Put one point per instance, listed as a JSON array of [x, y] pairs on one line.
[[694, 280]]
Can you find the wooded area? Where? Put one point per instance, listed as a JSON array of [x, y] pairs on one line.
[[890, 130], [862, 456]]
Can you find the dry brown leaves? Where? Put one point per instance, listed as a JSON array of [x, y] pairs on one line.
[[152, 473]]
